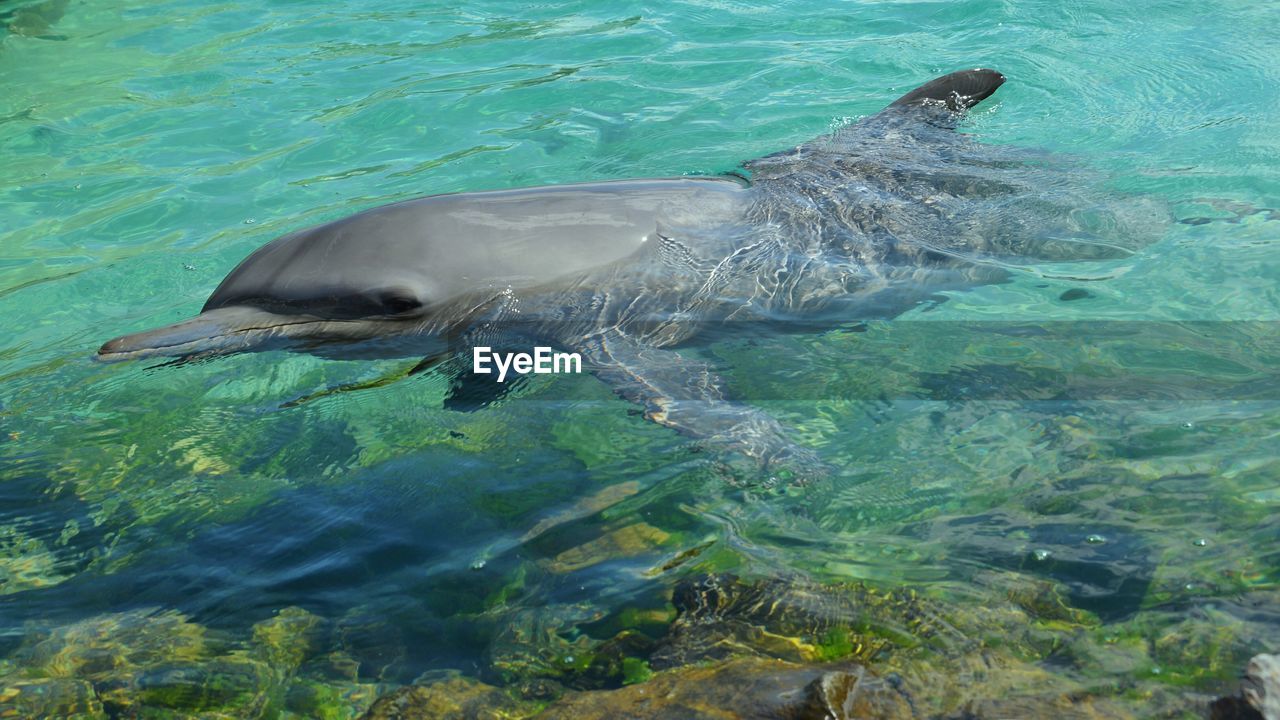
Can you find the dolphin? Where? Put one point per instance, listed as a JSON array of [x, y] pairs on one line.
[[860, 224]]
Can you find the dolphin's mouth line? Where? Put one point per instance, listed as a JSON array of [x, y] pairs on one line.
[[199, 344]]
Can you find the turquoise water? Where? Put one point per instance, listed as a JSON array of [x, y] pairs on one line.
[[148, 148]]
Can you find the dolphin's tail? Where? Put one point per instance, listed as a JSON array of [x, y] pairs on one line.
[[958, 90]]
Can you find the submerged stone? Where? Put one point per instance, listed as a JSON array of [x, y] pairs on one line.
[[49, 698], [1103, 570], [720, 616], [1044, 600], [545, 643], [290, 638], [108, 645], [624, 542], [230, 683], [855, 693], [1062, 707], [1205, 646], [455, 698], [329, 701], [377, 646], [746, 688], [336, 666]]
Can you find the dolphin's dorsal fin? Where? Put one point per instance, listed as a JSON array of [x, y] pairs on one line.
[[937, 104], [959, 91]]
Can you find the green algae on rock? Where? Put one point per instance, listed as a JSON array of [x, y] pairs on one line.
[[535, 643], [238, 684], [289, 638], [159, 665], [720, 615], [107, 645]]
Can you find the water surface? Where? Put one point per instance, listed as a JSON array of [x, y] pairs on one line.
[[1108, 427]]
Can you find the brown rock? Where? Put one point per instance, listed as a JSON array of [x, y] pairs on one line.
[[455, 698], [853, 694], [1062, 707], [746, 689]]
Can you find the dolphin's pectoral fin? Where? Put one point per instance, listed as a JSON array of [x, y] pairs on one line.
[[184, 360], [687, 395], [959, 91], [469, 391], [430, 362], [377, 382]]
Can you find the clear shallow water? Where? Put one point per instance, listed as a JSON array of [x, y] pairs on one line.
[[148, 149]]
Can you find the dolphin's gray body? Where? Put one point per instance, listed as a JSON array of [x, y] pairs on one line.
[[861, 224]]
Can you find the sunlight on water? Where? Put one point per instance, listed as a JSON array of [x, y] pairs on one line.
[[1074, 470]]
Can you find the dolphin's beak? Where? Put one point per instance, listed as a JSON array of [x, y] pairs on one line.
[[221, 331]]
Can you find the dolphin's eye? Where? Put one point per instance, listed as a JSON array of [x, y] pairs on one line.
[[398, 303]]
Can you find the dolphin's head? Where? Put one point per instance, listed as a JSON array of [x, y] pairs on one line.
[[333, 285]]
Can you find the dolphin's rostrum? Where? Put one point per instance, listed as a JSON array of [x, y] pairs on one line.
[[864, 223]]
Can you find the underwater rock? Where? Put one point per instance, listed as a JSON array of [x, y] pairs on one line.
[[720, 616], [27, 562], [1063, 707], [239, 684], [1104, 569], [49, 698], [454, 698], [374, 643], [1044, 600], [755, 688], [1206, 646], [333, 666], [290, 638], [854, 694], [35, 20], [1259, 697], [605, 498], [1108, 656], [108, 645], [617, 661], [748, 688], [329, 701], [624, 542], [534, 643]]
